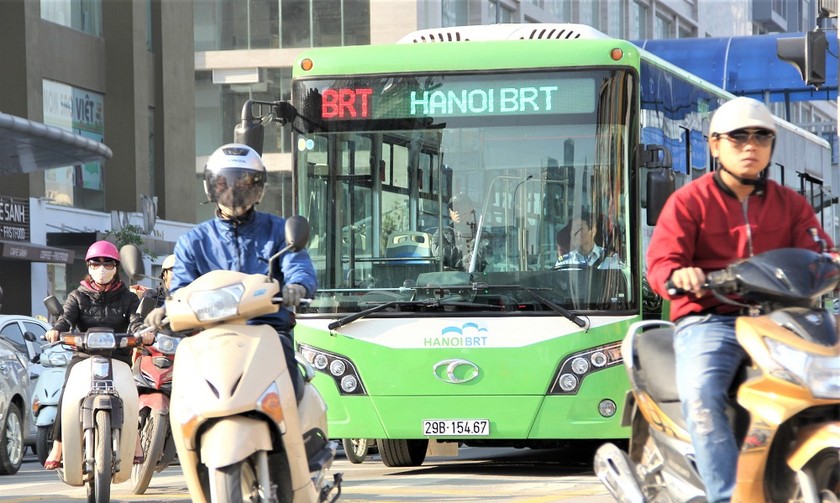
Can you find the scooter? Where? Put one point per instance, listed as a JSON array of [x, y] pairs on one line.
[[240, 433], [100, 398], [54, 358], [787, 416], [152, 370]]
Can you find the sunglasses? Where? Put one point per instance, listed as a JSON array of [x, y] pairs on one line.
[[739, 138], [107, 265]]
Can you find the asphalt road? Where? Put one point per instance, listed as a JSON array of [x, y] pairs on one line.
[[487, 475]]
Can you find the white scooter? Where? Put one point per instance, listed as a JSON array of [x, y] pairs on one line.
[[239, 431], [54, 358], [98, 414]]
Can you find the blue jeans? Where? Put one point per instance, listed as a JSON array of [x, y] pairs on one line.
[[708, 357]]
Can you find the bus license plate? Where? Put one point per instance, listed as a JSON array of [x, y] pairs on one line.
[[456, 427]]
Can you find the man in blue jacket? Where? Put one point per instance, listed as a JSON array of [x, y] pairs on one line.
[[243, 239]]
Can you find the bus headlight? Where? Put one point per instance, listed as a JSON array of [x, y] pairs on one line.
[[342, 371], [574, 368]]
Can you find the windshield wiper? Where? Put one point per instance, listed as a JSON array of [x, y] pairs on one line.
[[436, 303], [350, 318], [428, 304], [574, 318]]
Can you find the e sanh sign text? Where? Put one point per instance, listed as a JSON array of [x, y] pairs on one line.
[[14, 219]]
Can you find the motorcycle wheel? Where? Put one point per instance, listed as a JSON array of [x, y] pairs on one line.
[[43, 444], [825, 469], [356, 449], [401, 453], [11, 443], [153, 429], [236, 483], [99, 487]]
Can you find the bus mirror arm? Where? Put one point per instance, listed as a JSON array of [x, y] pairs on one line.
[[250, 130]]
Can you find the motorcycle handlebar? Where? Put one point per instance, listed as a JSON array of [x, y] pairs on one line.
[[716, 280]]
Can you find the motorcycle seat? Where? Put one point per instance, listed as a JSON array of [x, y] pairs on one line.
[[656, 363]]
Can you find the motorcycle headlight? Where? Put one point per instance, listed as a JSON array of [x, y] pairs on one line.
[[101, 340], [820, 374], [216, 304], [166, 344], [101, 367]]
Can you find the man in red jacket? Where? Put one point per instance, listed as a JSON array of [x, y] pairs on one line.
[[730, 214]]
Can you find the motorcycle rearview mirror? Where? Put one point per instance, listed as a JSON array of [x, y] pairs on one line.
[[146, 306], [131, 259], [297, 232], [53, 306], [297, 237]]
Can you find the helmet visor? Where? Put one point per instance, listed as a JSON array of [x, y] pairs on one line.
[[235, 187]]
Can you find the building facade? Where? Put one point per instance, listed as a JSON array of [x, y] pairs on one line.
[[118, 72]]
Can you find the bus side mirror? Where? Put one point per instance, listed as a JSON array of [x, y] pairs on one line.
[[660, 185], [250, 130], [660, 179]]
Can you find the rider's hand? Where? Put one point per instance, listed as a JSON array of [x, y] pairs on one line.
[[690, 279], [154, 320], [148, 338], [292, 294], [52, 335]]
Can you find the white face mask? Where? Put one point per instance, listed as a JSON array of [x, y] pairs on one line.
[[102, 275]]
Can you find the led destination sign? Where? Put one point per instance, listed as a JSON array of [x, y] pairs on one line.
[[454, 97]]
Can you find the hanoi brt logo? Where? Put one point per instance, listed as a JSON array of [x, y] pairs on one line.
[[468, 335]]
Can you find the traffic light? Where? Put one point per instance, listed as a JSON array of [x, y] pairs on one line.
[[807, 54]]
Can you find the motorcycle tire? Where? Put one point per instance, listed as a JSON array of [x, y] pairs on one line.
[[99, 487], [236, 483], [43, 443], [402, 453], [11, 442], [825, 470], [355, 449], [153, 429]]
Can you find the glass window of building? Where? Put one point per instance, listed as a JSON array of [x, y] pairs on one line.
[[219, 108], [81, 186], [589, 13], [455, 13], [82, 15], [615, 19], [503, 16], [561, 9], [662, 26], [638, 21], [273, 24]]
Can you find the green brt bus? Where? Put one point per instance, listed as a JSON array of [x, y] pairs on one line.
[[427, 333]]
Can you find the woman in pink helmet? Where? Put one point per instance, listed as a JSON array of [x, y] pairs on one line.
[[101, 300]]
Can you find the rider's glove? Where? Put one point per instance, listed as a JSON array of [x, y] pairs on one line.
[[154, 319], [292, 294]]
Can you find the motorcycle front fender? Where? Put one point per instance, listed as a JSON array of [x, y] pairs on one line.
[[46, 416], [233, 439], [810, 441], [158, 402]]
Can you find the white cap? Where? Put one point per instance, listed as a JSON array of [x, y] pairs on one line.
[[740, 113]]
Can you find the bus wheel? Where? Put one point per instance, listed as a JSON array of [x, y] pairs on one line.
[[397, 453]]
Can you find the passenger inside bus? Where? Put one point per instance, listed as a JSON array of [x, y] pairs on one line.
[[455, 244]]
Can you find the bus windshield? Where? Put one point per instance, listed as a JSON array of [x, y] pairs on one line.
[[474, 190]]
